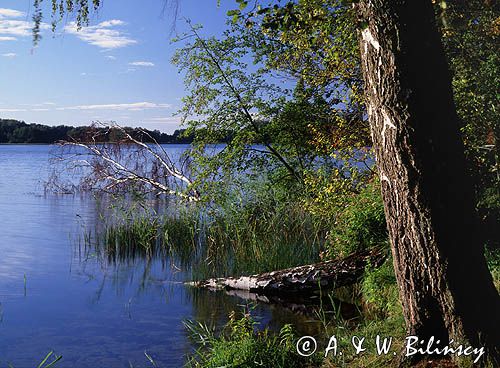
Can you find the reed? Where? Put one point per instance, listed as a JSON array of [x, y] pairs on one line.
[[241, 243], [215, 243]]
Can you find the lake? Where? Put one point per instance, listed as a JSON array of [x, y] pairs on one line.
[[54, 296]]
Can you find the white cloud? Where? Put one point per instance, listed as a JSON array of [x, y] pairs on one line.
[[40, 110], [11, 13], [15, 27], [110, 57], [168, 120], [43, 104], [12, 110], [142, 63], [111, 23], [10, 27], [102, 35], [10, 55], [137, 106]]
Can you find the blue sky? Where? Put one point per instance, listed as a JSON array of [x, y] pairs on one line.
[[116, 69]]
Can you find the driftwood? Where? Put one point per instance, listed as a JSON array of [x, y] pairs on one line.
[[302, 279]]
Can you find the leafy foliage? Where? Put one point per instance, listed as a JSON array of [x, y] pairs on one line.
[[229, 99], [240, 346], [470, 31], [312, 39], [379, 290], [493, 259], [59, 8], [360, 224], [272, 117]]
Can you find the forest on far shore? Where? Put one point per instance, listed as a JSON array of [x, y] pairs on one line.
[[15, 131]]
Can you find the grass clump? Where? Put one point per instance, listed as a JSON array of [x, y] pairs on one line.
[[258, 239], [369, 329], [238, 240], [131, 238], [239, 345], [249, 233]]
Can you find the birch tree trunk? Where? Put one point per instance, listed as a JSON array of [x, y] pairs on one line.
[[445, 286], [302, 280]]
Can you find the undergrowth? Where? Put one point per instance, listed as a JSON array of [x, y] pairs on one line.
[[240, 345]]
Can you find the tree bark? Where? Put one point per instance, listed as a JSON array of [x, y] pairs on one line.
[[445, 286], [302, 280]]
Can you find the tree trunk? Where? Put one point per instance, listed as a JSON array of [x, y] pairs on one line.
[[302, 280], [445, 286]]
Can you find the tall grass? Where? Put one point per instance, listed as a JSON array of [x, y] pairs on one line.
[[215, 243], [246, 242]]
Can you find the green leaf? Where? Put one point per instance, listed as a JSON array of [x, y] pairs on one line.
[[243, 4], [263, 10], [232, 13]]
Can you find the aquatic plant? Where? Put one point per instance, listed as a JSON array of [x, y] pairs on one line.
[[214, 243]]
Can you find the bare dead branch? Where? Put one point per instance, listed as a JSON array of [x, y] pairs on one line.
[[129, 161]]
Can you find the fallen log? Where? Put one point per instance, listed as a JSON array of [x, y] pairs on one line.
[[303, 279]]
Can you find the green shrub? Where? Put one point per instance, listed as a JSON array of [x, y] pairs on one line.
[[488, 208], [360, 225], [239, 345]]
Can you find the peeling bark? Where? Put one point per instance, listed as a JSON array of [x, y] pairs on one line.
[[445, 286], [303, 279]]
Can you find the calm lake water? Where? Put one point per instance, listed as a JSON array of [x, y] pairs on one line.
[[55, 297]]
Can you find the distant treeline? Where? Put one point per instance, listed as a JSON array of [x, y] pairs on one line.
[[14, 131]]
